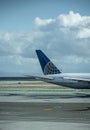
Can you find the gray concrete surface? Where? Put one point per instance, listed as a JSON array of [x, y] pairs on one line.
[[56, 112], [37, 109]]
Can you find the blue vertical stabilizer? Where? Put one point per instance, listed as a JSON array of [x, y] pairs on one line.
[[47, 66]]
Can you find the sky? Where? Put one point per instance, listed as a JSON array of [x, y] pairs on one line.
[[60, 28]]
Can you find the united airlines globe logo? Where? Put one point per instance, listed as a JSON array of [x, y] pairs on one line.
[[50, 68]]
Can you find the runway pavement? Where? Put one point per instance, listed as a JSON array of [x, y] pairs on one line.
[[56, 112], [44, 116], [44, 110]]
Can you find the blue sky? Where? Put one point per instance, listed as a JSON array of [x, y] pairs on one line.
[[17, 15], [61, 28]]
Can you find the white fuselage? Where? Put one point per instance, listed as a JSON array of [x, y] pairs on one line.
[[72, 80]]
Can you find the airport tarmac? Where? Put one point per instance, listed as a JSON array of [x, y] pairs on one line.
[[44, 116], [56, 112], [44, 109]]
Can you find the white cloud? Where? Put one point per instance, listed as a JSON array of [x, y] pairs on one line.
[[45, 22], [65, 38], [71, 19], [84, 33]]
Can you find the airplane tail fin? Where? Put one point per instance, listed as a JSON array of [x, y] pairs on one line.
[[47, 66]]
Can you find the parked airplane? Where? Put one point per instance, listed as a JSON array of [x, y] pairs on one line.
[[53, 75]]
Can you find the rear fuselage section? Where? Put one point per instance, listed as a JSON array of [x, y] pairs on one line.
[[66, 79]]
